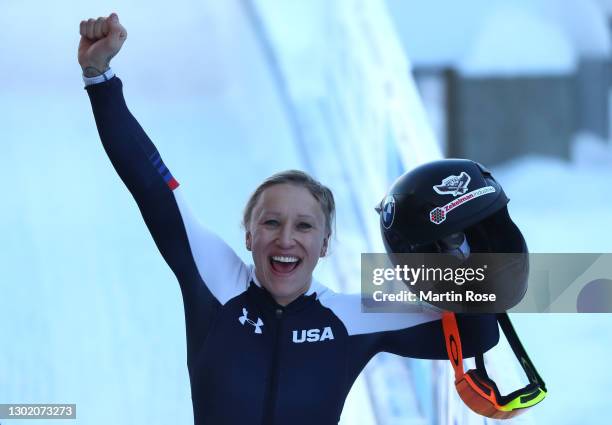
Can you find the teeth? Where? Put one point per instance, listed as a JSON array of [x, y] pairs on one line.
[[283, 259]]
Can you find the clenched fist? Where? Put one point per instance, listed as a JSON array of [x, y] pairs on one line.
[[101, 40]]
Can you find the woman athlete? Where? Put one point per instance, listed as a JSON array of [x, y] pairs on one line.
[[266, 343]]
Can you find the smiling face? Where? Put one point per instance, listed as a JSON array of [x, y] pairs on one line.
[[287, 236]]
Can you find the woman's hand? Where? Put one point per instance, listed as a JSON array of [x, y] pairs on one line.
[[101, 40]]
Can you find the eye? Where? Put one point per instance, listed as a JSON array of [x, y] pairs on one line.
[[304, 226], [271, 222]]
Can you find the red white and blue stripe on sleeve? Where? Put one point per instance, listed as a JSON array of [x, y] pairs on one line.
[[163, 170]]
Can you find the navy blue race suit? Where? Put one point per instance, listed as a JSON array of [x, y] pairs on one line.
[[250, 360]]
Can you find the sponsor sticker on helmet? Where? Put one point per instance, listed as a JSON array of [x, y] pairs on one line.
[[453, 185], [438, 215], [387, 213]]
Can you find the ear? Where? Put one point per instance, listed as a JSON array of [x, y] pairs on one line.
[[248, 239], [324, 247]]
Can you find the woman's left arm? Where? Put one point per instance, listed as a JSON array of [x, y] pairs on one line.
[[417, 334], [479, 333]]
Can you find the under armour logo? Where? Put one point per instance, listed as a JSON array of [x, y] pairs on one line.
[[244, 319]]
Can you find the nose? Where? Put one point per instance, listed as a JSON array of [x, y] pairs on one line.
[[285, 237]]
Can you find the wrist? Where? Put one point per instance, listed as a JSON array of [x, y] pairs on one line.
[[94, 70], [98, 78]]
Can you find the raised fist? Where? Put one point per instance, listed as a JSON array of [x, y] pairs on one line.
[[101, 40]]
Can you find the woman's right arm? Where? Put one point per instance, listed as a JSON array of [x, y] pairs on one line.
[[207, 268]]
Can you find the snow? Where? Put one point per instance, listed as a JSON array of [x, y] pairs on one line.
[[439, 33], [606, 6], [511, 41], [563, 193], [583, 22]]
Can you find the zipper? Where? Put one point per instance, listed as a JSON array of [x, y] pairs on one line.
[[268, 416]]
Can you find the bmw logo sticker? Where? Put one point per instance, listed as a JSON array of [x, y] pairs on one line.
[[388, 211]]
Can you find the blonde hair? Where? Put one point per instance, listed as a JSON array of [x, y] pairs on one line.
[[320, 192]]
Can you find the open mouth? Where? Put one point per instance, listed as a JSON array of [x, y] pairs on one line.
[[284, 264]]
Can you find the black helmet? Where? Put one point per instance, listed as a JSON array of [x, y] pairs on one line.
[[442, 198], [453, 206]]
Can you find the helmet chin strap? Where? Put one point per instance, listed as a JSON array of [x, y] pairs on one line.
[[455, 244]]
